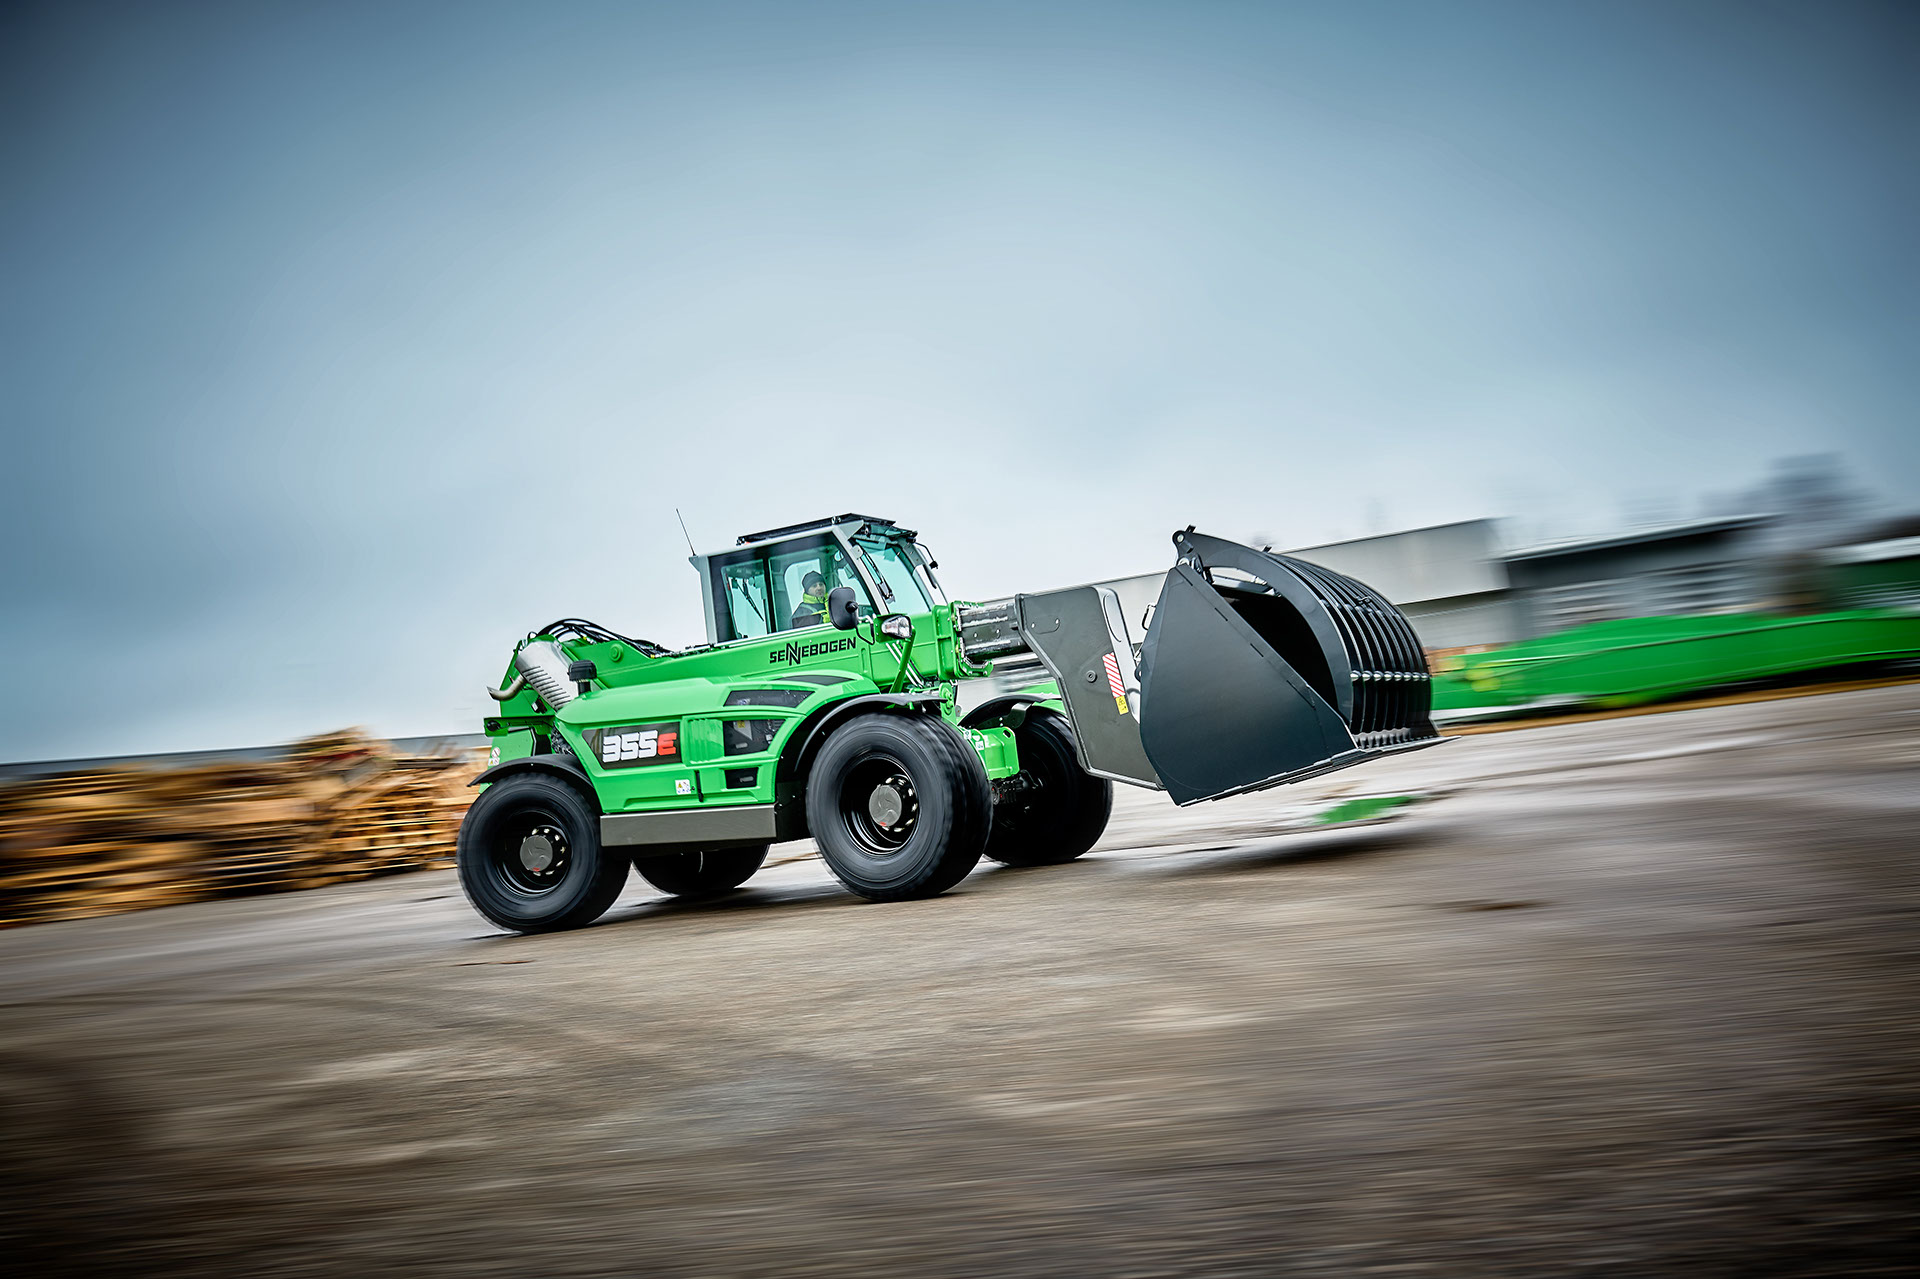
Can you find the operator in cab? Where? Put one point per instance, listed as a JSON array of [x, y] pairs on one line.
[[812, 609]]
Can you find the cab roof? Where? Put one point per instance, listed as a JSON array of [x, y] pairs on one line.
[[809, 526]]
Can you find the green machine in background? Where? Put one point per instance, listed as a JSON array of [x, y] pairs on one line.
[[823, 705], [1646, 659]]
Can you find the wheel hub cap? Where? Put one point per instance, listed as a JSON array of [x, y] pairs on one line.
[[537, 850], [885, 805]]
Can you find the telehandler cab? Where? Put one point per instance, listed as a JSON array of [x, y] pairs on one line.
[[823, 705]]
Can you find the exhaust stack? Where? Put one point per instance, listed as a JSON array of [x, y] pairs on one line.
[[544, 665]]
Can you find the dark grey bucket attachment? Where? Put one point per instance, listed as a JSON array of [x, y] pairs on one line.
[[1256, 670]]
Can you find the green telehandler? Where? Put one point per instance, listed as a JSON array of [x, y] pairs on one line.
[[823, 705]]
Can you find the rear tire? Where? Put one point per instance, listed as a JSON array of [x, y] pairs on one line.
[[1061, 810], [701, 874], [530, 857], [899, 805]]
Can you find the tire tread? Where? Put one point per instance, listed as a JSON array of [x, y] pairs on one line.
[[1089, 805], [969, 797]]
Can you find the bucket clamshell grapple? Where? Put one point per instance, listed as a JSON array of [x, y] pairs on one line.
[[1256, 670]]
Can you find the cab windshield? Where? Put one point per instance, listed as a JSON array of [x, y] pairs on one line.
[[893, 567]]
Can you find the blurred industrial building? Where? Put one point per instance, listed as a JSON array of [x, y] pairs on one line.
[[1469, 587], [1463, 587]]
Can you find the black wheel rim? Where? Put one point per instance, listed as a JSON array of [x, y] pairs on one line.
[[878, 804], [530, 854]]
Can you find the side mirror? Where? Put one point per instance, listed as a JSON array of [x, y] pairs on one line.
[[841, 609]]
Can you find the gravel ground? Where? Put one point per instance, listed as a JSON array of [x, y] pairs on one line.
[[1635, 994]]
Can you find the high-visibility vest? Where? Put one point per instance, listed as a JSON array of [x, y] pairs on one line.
[[818, 608]]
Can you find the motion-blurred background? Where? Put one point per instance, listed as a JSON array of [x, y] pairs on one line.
[[341, 344]]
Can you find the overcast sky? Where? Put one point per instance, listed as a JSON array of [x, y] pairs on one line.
[[340, 345]]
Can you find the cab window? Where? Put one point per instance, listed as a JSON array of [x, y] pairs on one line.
[[896, 570], [743, 584], [817, 561]]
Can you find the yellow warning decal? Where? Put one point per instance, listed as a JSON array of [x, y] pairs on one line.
[[1121, 702]]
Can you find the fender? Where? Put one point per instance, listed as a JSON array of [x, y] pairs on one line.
[[565, 767], [794, 763], [1009, 711]]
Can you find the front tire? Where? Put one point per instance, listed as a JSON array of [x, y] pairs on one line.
[[701, 874], [530, 857], [1057, 811], [899, 805]]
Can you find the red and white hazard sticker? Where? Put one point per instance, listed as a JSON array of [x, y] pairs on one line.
[[1118, 689]]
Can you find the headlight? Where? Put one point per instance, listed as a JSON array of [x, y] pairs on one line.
[[897, 626]]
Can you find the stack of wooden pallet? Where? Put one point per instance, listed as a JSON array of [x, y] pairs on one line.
[[330, 809]]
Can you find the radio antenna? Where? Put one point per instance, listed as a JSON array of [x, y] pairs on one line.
[[683, 530]]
